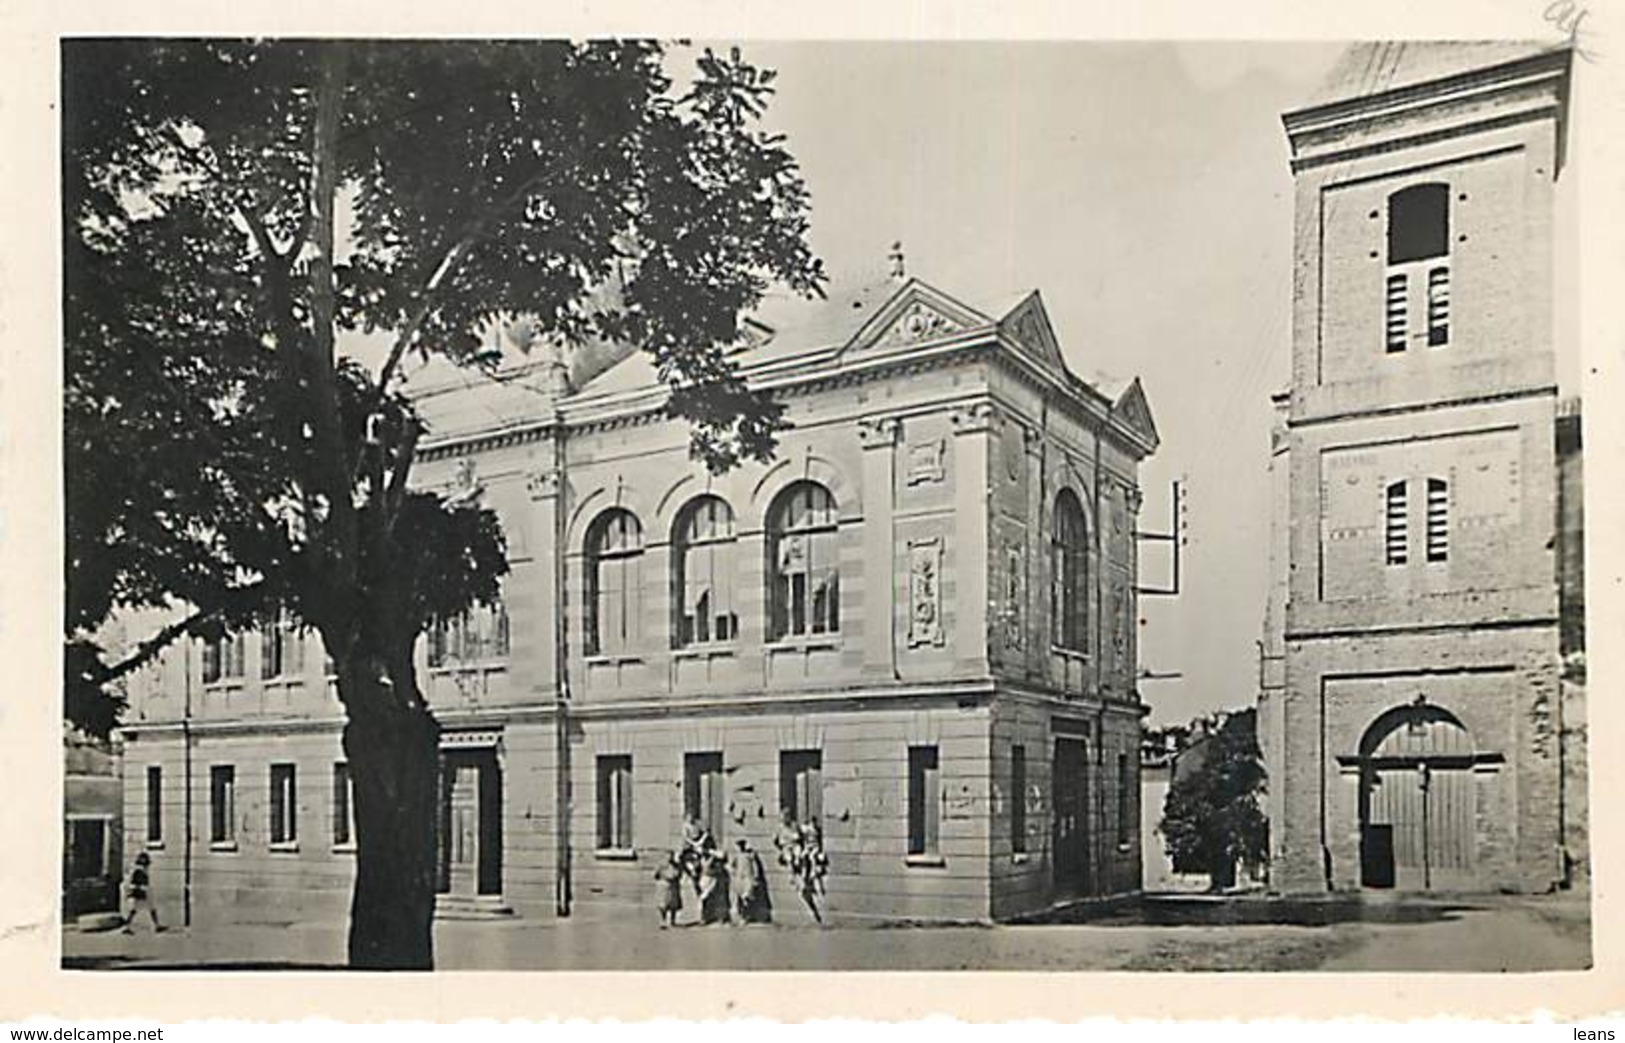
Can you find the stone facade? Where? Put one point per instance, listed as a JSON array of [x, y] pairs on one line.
[[1414, 739], [859, 632]]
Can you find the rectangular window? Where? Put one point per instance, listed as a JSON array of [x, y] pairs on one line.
[[924, 801], [343, 806], [1438, 306], [615, 802], [1397, 309], [1438, 520], [801, 784], [703, 793], [284, 805], [222, 804], [282, 650], [1125, 800], [1018, 800], [1396, 525], [478, 635], [223, 659], [155, 804]]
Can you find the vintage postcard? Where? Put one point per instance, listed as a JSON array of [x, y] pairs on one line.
[[1084, 501]]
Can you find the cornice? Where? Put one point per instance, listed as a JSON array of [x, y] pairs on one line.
[[1548, 66]]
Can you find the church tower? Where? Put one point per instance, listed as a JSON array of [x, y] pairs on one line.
[[1420, 721]]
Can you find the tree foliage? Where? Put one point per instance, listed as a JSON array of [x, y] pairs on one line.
[[233, 209], [1211, 817]]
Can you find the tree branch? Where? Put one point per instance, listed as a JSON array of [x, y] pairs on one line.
[[147, 650], [454, 256], [262, 236]]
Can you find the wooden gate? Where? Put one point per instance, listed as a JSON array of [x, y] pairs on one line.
[[1418, 801]]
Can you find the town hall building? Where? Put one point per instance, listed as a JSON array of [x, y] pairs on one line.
[[914, 626]]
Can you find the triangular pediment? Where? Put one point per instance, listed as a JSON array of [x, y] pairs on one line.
[[1028, 325], [1134, 411], [915, 314]]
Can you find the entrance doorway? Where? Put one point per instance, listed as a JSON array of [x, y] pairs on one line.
[[470, 823], [1418, 800], [1070, 785]]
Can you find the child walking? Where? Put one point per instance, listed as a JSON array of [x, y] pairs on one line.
[[139, 890]]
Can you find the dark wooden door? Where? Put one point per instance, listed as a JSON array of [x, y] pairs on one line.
[[1070, 786]]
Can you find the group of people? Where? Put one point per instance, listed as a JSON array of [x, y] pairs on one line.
[[731, 886]]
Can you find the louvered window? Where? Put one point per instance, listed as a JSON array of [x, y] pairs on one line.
[[1397, 294], [1438, 306], [1396, 530], [1438, 530]]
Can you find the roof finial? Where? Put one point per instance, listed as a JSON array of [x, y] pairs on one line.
[[896, 257]]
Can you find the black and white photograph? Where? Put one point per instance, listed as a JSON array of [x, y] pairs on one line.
[[658, 504]]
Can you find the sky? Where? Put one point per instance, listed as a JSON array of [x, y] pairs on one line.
[[1144, 190]]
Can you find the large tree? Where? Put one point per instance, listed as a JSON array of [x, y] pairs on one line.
[[222, 454], [1211, 817]]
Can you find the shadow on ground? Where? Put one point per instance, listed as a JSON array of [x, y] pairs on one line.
[[1203, 910], [114, 963]]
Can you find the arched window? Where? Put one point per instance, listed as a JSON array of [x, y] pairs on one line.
[[1419, 223], [614, 589], [703, 557], [804, 574], [1069, 574], [1418, 280]]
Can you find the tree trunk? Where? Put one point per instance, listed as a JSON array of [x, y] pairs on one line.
[[393, 748]]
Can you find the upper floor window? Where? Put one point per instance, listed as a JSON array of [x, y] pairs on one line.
[[478, 635], [282, 650], [223, 659], [1419, 223], [1418, 282], [703, 557], [1396, 527], [804, 585], [1396, 523], [614, 598], [1438, 520], [1069, 574]]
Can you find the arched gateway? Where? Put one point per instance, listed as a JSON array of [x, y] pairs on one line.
[[1418, 799]]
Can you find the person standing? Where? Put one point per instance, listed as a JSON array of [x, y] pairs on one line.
[[749, 883], [668, 890], [139, 891]]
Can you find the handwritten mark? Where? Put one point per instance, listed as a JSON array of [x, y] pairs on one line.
[[1568, 16]]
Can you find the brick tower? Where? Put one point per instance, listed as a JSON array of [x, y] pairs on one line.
[[1421, 716]]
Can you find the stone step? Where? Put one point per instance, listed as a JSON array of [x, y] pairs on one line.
[[458, 907]]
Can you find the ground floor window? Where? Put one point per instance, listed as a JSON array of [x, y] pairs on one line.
[[155, 804], [1018, 800], [343, 806], [222, 804], [284, 805], [924, 801], [615, 802], [704, 798], [1125, 800], [801, 784]]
